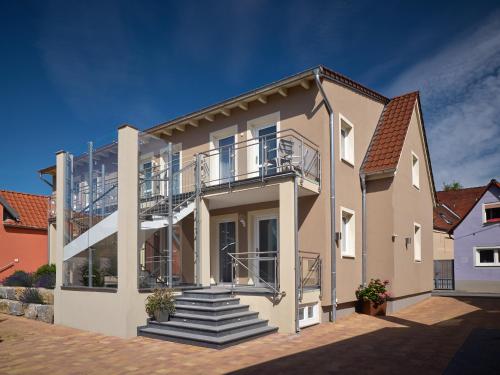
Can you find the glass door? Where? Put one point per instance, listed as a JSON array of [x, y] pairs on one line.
[[227, 239], [267, 249], [226, 159], [268, 150]]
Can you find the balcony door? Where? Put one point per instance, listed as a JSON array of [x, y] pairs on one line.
[[266, 241], [263, 151], [222, 158]]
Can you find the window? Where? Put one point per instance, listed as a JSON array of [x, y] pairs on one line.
[[487, 257], [346, 140], [308, 315], [491, 212], [348, 233], [415, 170], [417, 241]]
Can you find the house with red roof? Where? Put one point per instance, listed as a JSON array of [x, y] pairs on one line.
[[23, 232], [288, 197]]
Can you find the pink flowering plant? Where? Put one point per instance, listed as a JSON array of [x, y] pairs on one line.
[[375, 291]]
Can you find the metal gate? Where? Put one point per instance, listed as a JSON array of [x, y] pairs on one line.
[[444, 277]]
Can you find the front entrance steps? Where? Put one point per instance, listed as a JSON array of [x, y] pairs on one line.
[[210, 318]]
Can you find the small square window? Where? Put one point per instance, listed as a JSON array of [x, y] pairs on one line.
[[310, 312], [487, 257], [301, 313], [492, 213]]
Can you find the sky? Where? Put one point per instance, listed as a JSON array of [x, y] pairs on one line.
[[73, 71]]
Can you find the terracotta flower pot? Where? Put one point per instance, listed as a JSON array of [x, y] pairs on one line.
[[162, 316], [369, 308]]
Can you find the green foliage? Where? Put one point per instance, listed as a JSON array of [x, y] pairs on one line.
[[375, 291], [19, 278], [97, 276], [31, 295], [162, 299], [455, 185], [46, 269]]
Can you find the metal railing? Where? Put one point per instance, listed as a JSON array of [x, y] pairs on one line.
[[310, 271], [261, 157], [261, 267]]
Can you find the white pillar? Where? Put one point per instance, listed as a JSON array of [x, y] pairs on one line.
[[59, 235], [204, 221], [287, 256]]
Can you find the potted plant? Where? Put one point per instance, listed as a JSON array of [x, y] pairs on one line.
[[373, 298], [161, 304]]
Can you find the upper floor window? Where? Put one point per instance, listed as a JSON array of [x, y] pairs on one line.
[[487, 257], [491, 212], [417, 242], [346, 140], [415, 170], [348, 236]]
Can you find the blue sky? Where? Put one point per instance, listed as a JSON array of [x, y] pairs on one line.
[[72, 71]]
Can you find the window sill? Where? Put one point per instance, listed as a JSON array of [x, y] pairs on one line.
[[417, 261], [89, 289], [348, 162], [348, 256], [487, 265], [416, 187]]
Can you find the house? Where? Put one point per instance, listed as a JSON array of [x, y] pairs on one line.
[[452, 206], [23, 232], [287, 197], [477, 244]]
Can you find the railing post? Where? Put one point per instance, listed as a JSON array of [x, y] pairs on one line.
[[197, 177], [302, 163], [91, 207], [170, 213]]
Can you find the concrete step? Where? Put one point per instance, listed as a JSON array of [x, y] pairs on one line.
[[206, 302], [209, 330], [210, 310], [204, 340], [212, 293], [214, 320]]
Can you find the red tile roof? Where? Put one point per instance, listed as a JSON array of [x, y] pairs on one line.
[[388, 139], [32, 209], [459, 201]]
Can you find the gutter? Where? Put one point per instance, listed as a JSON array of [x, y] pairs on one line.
[[363, 229], [333, 250]]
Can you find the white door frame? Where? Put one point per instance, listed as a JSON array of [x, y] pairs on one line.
[[215, 157], [253, 127], [217, 221]]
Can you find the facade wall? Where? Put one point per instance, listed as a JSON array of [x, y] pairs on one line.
[[27, 245], [443, 246], [412, 205], [470, 233]]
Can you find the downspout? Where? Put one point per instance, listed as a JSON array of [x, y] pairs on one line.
[[333, 251], [363, 229]]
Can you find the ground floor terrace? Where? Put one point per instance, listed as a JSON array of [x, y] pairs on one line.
[[429, 337]]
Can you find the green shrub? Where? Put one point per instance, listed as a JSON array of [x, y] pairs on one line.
[[31, 295], [162, 299], [19, 278], [375, 291], [97, 276], [46, 269]]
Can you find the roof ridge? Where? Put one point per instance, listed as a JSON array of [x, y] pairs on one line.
[[416, 92], [462, 189]]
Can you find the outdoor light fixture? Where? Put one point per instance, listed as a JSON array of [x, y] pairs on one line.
[[243, 222]]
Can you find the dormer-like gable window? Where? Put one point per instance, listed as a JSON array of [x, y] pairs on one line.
[[491, 212]]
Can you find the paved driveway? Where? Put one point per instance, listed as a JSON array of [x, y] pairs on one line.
[[421, 339]]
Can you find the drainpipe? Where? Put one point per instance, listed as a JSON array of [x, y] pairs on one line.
[[333, 250], [363, 229]]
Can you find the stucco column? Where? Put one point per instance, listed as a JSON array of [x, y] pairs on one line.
[[287, 240], [204, 221], [58, 238], [128, 223]]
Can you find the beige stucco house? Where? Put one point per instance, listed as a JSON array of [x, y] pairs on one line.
[[266, 210]]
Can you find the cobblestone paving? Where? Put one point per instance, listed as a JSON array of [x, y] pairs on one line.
[[421, 339]]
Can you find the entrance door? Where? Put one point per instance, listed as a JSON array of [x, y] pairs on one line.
[[227, 239], [267, 249]]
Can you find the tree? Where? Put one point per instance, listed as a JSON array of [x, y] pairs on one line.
[[455, 185]]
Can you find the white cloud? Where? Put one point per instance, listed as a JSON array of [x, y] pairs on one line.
[[460, 88]]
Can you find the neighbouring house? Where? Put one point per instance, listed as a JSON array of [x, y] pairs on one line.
[[477, 244], [23, 232], [288, 197], [452, 206]]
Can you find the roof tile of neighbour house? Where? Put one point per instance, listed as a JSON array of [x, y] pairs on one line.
[[25, 210], [389, 137], [459, 202]]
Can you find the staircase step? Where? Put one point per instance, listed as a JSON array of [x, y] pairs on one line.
[[204, 340], [207, 293], [207, 302], [215, 331], [214, 320], [210, 310]]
